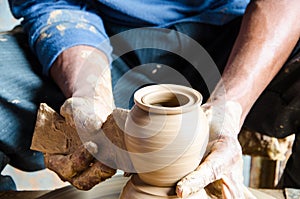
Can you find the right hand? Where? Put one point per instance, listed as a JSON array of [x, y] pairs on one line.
[[83, 75], [81, 168]]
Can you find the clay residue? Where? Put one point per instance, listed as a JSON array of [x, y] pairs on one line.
[[154, 71], [93, 29], [86, 27], [44, 36], [85, 53], [54, 16], [61, 27], [3, 39], [65, 15], [61, 16], [15, 101]]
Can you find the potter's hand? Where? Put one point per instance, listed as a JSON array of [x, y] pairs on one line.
[[221, 171], [80, 168]]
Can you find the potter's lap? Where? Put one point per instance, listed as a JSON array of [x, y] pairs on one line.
[[21, 91]]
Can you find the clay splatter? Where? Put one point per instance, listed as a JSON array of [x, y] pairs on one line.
[[158, 66], [15, 101], [92, 29], [44, 35], [3, 39], [85, 26], [61, 28], [54, 16]]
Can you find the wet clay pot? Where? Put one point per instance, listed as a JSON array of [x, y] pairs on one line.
[[166, 136]]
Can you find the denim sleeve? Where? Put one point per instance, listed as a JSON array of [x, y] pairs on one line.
[[54, 26]]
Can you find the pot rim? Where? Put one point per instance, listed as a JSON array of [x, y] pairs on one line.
[[148, 97]]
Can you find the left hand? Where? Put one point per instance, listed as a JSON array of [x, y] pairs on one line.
[[220, 173]]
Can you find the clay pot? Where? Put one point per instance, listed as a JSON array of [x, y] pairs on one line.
[[166, 133]]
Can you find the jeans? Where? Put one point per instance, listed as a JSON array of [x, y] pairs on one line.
[[168, 58], [21, 90]]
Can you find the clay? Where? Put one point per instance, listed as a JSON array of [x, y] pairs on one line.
[[166, 136], [135, 188], [66, 155], [53, 135], [177, 152]]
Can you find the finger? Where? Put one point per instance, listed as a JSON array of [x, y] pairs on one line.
[[225, 153], [83, 156], [233, 186], [232, 189], [81, 113], [61, 165], [67, 166], [195, 181], [95, 174]]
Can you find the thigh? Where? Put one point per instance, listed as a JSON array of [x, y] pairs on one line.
[[6, 182], [22, 89]]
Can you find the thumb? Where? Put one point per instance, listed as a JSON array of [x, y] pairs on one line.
[[206, 173], [225, 153]]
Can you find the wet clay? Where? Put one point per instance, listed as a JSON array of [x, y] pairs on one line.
[[166, 134], [135, 188]]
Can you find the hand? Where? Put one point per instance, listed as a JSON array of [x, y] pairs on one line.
[[83, 74], [220, 173], [81, 168]]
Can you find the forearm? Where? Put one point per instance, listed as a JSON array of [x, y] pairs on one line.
[[76, 69], [269, 32], [84, 72]]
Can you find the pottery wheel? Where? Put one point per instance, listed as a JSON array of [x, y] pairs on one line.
[[111, 189]]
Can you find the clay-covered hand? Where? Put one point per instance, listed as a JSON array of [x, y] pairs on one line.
[[220, 172], [81, 168]]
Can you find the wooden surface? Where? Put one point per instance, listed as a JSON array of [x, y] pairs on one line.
[[268, 157], [292, 193], [21, 194], [257, 144]]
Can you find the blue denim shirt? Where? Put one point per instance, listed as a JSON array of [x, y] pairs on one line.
[[57, 25]]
